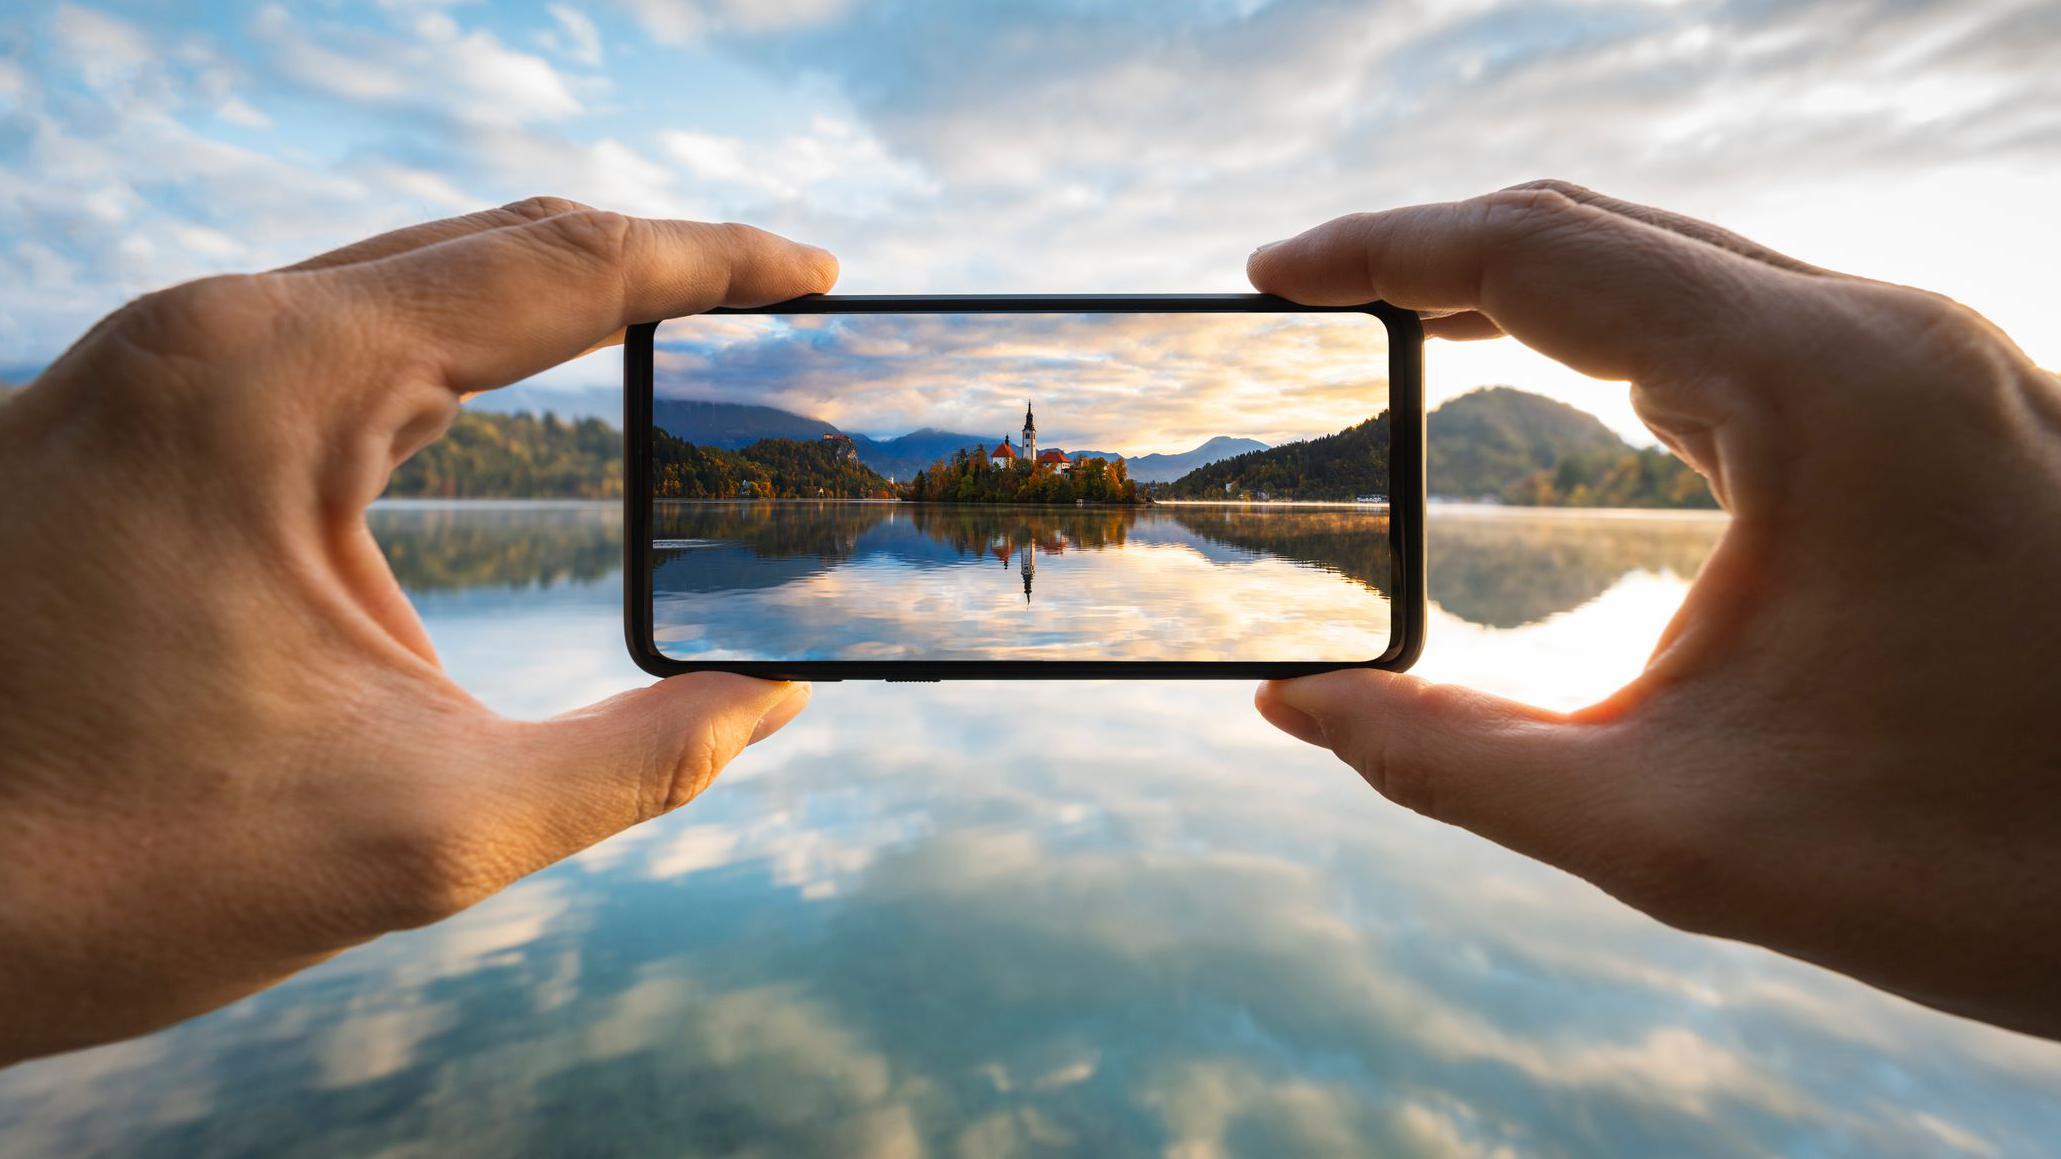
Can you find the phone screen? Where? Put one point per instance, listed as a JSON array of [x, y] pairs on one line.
[[1103, 486]]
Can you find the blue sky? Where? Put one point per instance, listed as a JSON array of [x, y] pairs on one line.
[[1023, 146]]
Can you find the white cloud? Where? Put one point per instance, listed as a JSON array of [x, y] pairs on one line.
[[107, 47], [688, 21], [836, 164], [438, 68], [578, 37]]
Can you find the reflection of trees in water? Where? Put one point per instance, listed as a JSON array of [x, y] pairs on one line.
[[440, 548], [827, 531], [1499, 569], [975, 530], [1351, 543], [1506, 570]]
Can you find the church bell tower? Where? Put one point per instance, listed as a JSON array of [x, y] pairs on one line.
[[1030, 435]]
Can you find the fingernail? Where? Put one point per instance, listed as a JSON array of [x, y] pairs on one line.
[[1268, 246], [783, 710]]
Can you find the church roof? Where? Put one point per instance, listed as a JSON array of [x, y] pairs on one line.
[[1005, 451], [1052, 456]]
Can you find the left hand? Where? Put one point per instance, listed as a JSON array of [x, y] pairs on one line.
[[227, 750]]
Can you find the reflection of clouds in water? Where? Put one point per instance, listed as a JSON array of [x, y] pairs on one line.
[[1128, 383], [1101, 917], [1567, 661], [1141, 602]]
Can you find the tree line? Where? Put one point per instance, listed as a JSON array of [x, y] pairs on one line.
[[767, 469], [970, 478], [1346, 465]]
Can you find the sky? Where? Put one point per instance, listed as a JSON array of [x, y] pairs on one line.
[[1024, 146], [1124, 384]]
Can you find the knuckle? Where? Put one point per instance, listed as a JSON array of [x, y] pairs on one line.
[[541, 207], [594, 235], [1567, 189], [436, 870], [1395, 759], [694, 765], [1935, 335], [1520, 211], [204, 318]]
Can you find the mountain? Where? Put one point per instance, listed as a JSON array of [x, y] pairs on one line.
[[1166, 468], [1351, 463], [1491, 439], [731, 425], [904, 455]]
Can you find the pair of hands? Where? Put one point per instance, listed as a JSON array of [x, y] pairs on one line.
[[227, 751]]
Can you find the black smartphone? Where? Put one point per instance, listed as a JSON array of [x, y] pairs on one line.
[[1025, 487]]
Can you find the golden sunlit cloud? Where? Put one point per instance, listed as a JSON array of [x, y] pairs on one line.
[[1129, 384]]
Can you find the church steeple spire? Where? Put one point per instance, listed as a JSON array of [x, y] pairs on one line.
[[1030, 433]]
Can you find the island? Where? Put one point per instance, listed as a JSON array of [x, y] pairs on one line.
[[1023, 474]]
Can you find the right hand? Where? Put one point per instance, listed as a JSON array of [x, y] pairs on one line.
[[1847, 746]]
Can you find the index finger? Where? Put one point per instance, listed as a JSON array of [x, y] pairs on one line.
[[492, 307], [1608, 295]]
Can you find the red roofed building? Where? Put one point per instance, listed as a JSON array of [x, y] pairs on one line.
[[1003, 455], [1055, 459]]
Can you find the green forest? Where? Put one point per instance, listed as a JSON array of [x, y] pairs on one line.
[[1628, 478], [767, 469], [495, 456], [968, 478], [1346, 465], [1521, 448]]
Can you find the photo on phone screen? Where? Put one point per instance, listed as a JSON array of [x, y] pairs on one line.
[[942, 487]]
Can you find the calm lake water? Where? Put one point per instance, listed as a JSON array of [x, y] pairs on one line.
[[1004, 919], [920, 581]]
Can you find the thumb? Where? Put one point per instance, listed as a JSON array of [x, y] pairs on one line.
[[1526, 778], [571, 781]]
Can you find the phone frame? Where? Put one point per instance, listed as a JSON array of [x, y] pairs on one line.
[[1406, 495]]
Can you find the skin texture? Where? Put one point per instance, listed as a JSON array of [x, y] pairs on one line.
[[1846, 746], [227, 751]]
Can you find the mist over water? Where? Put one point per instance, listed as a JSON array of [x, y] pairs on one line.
[[993, 919]]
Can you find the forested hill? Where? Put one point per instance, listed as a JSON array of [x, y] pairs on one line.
[[767, 469], [1497, 443], [1489, 439], [498, 456], [1517, 447], [1351, 463]]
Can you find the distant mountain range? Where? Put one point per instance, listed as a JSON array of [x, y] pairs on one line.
[[731, 425]]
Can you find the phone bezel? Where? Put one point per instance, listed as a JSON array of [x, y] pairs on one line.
[[1406, 498]]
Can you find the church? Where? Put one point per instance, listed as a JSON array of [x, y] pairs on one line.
[[1005, 455]]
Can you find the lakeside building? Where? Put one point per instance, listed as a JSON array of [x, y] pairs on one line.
[[1006, 455]]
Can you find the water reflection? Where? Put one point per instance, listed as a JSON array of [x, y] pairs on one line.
[[873, 581], [993, 919], [1508, 567]]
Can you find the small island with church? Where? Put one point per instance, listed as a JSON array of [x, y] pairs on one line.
[[1021, 473]]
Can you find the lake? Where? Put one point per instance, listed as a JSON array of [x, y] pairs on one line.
[[1006, 919], [925, 581]]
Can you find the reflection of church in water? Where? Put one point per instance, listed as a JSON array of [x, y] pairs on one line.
[[1027, 555], [1003, 546]]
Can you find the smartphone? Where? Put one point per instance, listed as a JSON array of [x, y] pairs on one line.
[[1017, 487]]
